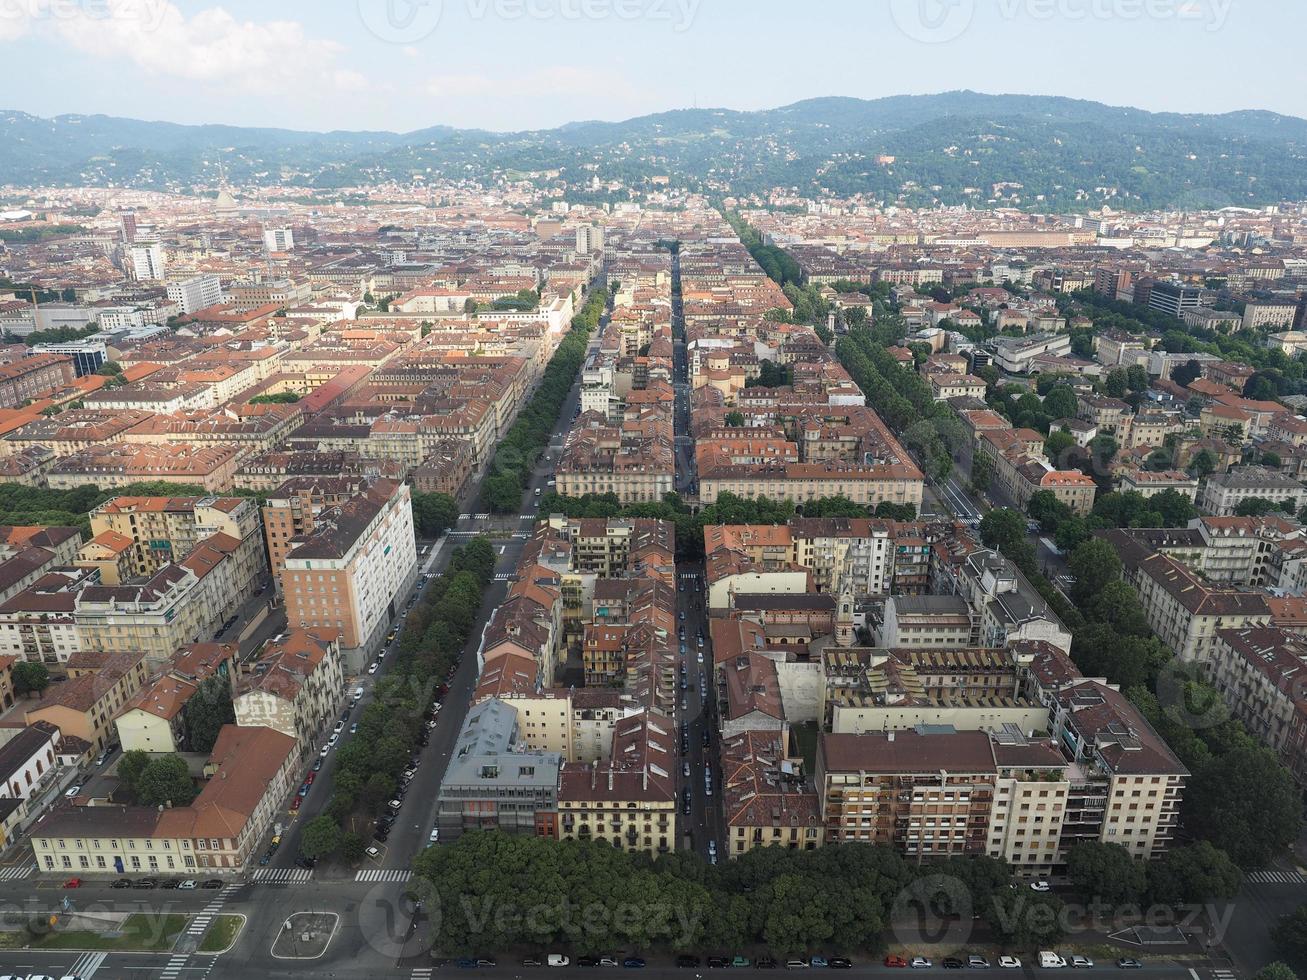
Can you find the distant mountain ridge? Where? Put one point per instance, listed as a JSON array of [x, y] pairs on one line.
[[952, 148]]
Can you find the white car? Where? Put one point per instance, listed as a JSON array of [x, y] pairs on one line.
[[1081, 962], [434, 836], [1009, 963], [335, 737], [73, 791], [373, 851], [373, 668], [919, 963], [1040, 886], [556, 959], [340, 727]]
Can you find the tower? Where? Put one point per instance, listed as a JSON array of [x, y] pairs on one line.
[[844, 634]]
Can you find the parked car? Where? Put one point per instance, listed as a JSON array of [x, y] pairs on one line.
[[212, 883], [1040, 885], [686, 962], [73, 883], [951, 963], [1129, 963], [896, 962], [977, 963], [920, 963], [73, 791], [557, 959], [1009, 963], [188, 884], [633, 963], [373, 852], [122, 883], [144, 883], [1081, 962], [434, 836]]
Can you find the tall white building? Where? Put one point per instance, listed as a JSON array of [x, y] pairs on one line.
[[148, 262], [278, 239], [195, 292], [589, 238]]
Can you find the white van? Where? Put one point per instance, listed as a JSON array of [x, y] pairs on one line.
[[1050, 961]]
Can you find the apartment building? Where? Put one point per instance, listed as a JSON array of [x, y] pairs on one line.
[[1185, 612], [155, 719], [1223, 492], [928, 621], [970, 688], [897, 483], [29, 378], [492, 783], [1259, 673], [182, 603], [1149, 483], [628, 799], [766, 798], [1016, 354], [576, 723], [98, 688], [349, 571], [250, 773], [1125, 782], [39, 624], [291, 510], [923, 792], [294, 687], [167, 529]]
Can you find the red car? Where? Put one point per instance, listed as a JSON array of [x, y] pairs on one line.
[[295, 803], [73, 883], [896, 961], [310, 777]]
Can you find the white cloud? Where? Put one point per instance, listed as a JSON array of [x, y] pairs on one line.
[[211, 46]]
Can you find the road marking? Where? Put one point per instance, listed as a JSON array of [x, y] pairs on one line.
[[86, 965], [505, 577], [12, 874], [1223, 974], [283, 876], [174, 967], [399, 875], [422, 972], [1270, 877]]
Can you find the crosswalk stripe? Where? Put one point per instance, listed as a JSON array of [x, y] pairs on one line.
[[1276, 877], [174, 967], [86, 965], [283, 876], [13, 874], [384, 874]]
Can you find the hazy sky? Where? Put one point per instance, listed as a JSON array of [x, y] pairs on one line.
[[515, 64]]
